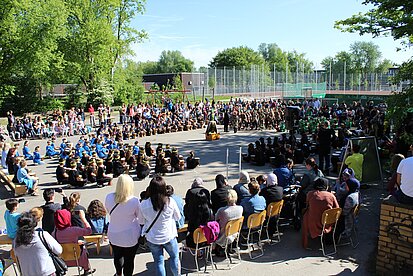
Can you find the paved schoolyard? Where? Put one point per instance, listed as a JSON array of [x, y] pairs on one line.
[[283, 258]]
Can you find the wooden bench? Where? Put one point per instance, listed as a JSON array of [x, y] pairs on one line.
[[5, 240], [17, 188], [97, 239]]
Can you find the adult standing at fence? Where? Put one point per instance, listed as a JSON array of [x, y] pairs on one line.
[[124, 228]]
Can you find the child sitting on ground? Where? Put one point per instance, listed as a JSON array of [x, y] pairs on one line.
[[11, 216]]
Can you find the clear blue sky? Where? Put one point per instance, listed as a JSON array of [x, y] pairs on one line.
[[201, 28]]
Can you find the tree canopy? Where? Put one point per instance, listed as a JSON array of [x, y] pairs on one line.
[[237, 57], [62, 41], [390, 18]]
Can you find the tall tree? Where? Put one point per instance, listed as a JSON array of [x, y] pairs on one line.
[[366, 56], [393, 18], [174, 62], [237, 57], [274, 56]]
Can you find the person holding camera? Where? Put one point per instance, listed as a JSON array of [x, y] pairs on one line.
[[50, 208]]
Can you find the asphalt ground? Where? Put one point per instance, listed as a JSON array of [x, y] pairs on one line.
[[283, 258]]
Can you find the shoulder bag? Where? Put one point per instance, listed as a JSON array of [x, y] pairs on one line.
[[59, 263]]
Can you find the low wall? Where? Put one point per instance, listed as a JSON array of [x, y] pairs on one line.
[[395, 245]]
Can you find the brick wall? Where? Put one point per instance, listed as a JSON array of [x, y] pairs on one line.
[[395, 245]]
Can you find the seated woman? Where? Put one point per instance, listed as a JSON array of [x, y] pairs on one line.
[[191, 199], [192, 162], [219, 196], [97, 217], [102, 178], [272, 192], [29, 247], [24, 178], [66, 233], [199, 215], [345, 224], [224, 214], [242, 186], [318, 201], [307, 181], [253, 204]]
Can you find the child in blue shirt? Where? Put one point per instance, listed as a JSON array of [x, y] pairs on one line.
[[11, 216], [37, 158], [26, 151]]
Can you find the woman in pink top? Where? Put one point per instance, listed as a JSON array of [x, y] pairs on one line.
[[66, 233]]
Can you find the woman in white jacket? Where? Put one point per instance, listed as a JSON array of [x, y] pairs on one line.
[[28, 247]]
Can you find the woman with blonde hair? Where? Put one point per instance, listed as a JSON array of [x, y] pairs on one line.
[[124, 228]]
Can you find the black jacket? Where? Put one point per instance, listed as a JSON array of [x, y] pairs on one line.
[[272, 194], [49, 208], [219, 197]]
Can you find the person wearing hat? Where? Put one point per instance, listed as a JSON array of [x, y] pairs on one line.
[[190, 196], [272, 193], [142, 168], [102, 178], [66, 233], [318, 201], [352, 198], [74, 176]]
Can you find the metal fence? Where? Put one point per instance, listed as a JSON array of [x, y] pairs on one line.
[[258, 82]]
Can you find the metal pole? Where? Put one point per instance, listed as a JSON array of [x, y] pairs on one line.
[[330, 77], [225, 88], [227, 161], [233, 80], [345, 75], [240, 158], [215, 83]]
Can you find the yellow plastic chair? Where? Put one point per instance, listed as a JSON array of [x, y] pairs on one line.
[[274, 212], [233, 230], [71, 252], [255, 224], [199, 238], [330, 218]]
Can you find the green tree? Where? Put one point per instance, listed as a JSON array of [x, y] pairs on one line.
[[366, 56], [98, 34], [237, 57], [174, 62], [384, 66], [274, 56], [393, 18], [127, 82], [148, 67]]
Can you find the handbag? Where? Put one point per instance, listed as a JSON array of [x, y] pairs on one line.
[[142, 239], [59, 263]]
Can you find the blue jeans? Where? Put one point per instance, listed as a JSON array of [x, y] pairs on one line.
[[157, 253]]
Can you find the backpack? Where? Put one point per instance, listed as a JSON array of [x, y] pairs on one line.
[[211, 231]]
